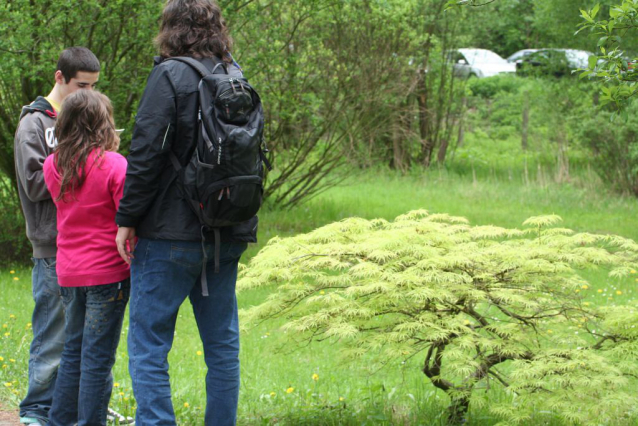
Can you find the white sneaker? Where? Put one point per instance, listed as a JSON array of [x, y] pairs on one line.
[[30, 421], [118, 419]]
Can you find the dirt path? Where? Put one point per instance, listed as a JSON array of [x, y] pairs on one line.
[[8, 417]]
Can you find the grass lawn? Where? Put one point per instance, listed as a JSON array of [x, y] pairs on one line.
[[277, 383]]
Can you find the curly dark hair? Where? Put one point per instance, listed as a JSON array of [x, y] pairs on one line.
[[194, 28]]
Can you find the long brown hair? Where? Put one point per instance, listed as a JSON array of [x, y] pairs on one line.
[[85, 123], [194, 28]]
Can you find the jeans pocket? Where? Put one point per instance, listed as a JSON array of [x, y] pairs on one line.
[[103, 293], [190, 257], [235, 250], [67, 294], [50, 274], [49, 262], [105, 305]]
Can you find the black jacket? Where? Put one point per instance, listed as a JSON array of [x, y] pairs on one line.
[[167, 121]]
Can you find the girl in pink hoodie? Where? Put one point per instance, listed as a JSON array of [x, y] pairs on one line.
[[85, 176]]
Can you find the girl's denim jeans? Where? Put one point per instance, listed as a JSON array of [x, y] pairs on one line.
[[94, 317]]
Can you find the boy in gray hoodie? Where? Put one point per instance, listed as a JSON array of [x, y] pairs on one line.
[[77, 68]]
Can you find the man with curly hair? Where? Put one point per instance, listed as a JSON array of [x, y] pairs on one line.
[[168, 260]]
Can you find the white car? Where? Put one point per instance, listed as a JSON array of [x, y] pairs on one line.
[[479, 63], [578, 59]]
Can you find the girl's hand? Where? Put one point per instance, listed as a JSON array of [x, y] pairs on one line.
[[125, 235]]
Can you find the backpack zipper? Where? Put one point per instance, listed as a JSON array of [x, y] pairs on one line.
[[230, 80], [219, 152]]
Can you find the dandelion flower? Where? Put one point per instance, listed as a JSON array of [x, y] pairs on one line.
[[290, 390], [618, 292], [322, 292], [199, 353], [585, 287], [5, 326], [577, 290], [15, 278], [12, 316], [586, 303], [633, 271], [8, 384], [1, 359], [549, 331], [341, 398], [28, 325], [12, 360], [466, 322], [186, 405], [116, 385], [600, 290], [315, 377], [272, 394], [12, 272], [121, 393], [4, 365], [126, 398], [7, 334]]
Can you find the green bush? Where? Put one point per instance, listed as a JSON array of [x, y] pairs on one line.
[[613, 141], [491, 86], [479, 305], [14, 245]]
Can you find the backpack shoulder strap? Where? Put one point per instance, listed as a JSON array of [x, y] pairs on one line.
[[201, 69]]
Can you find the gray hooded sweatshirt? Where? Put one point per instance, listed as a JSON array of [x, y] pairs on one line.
[[34, 141]]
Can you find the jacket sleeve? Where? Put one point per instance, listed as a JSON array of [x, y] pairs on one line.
[[30, 153], [152, 141], [117, 179]]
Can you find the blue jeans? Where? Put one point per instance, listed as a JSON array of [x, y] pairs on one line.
[[164, 273], [94, 317], [48, 340]]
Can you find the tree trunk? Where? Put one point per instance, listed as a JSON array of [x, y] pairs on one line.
[[562, 158], [461, 136], [397, 152], [442, 151], [427, 146], [525, 121], [457, 411]]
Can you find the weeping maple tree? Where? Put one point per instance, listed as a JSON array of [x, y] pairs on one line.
[[476, 303]]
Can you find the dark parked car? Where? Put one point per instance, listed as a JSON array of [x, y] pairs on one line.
[[547, 62]]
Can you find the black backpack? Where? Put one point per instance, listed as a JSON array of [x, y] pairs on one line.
[[222, 182]]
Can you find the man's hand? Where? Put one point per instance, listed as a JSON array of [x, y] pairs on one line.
[[125, 235]]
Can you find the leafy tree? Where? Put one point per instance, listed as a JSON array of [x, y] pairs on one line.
[[120, 33], [33, 35], [329, 73], [614, 66], [614, 144], [478, 305], [334, 76]]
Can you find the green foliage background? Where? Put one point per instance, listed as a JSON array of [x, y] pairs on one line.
[[353, 89]]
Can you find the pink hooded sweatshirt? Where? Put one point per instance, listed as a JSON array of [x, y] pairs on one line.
[[87, 254]]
